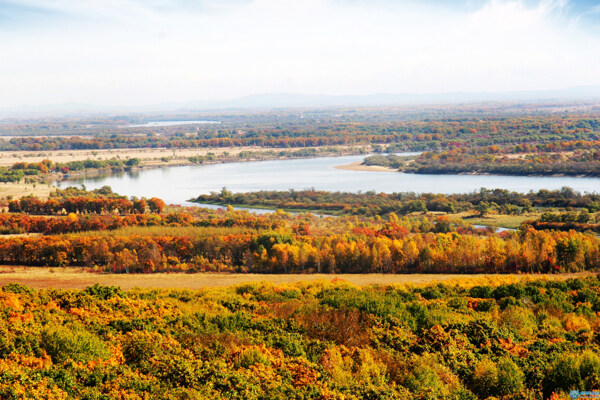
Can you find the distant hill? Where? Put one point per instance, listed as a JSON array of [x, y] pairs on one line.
[[295, 100], [285, 100]]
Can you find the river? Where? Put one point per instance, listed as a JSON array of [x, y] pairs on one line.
[[155, 124], [177, 184]]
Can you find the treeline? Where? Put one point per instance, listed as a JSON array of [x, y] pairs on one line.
[[371, 203], [115, 164], [417, 134], [531, 340], [74, 191], [391, 249], [565, 226], [23, 223], [558, 158], [21, 169], [563, 197], [84, 205], [564, 221], [270, 154], [9, 175]]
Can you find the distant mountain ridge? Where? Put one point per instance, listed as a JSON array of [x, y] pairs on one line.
[[310, 100], [296, 100]]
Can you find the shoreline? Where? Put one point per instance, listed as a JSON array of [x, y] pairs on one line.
[[155, 155], [358, 166], [178, 158], [265, 209], [152, 164]]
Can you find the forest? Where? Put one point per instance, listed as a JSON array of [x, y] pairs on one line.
[[527, 339], [372, 203], [408, 132], [568, 158], [116, 234]]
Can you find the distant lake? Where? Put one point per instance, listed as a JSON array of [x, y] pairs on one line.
[[177, 184], [170, 123]]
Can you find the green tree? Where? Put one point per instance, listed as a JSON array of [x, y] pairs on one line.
[[510, 377]]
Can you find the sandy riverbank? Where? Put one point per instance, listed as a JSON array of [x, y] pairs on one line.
[[150, 155], [8, 158], [358, 166]]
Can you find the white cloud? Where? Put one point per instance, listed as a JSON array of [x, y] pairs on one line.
[[140, 52]]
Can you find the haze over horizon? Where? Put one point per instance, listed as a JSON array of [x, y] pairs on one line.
[[136, 52]]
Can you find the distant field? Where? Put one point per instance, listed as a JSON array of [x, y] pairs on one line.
[[8, 158], [20, 189], [501, 220], [71, 278], [150, 156]]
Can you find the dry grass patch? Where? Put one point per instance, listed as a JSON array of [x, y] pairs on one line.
[[17, 190], [500, 220], [76, 278]]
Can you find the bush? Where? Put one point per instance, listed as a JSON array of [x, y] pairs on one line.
[[485, 305], [589, 370], [485, 378], [563, 375], [482, 292], [63, 344], [142, 348], [16, 288], [512, 290], [429, 379], [104, 292], [519, 321], [510, 377]]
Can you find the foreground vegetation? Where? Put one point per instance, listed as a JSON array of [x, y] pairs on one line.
[[532, 340]]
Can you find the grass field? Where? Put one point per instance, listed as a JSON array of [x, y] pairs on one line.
[[17, 190], [499, 220], [149, 156], [72, 278]]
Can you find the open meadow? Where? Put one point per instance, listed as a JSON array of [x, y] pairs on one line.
[[153, 156], [79, 278]]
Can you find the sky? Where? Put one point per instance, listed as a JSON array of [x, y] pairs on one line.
[[142, 52]]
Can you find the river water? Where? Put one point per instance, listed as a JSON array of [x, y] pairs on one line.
[[175, 185], [155, 124]]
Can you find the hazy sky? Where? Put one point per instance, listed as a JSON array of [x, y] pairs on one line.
[[136, 52]]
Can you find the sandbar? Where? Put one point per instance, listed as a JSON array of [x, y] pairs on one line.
[[359, 166]]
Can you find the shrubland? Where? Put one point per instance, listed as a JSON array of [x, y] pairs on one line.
[[532, 339]]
